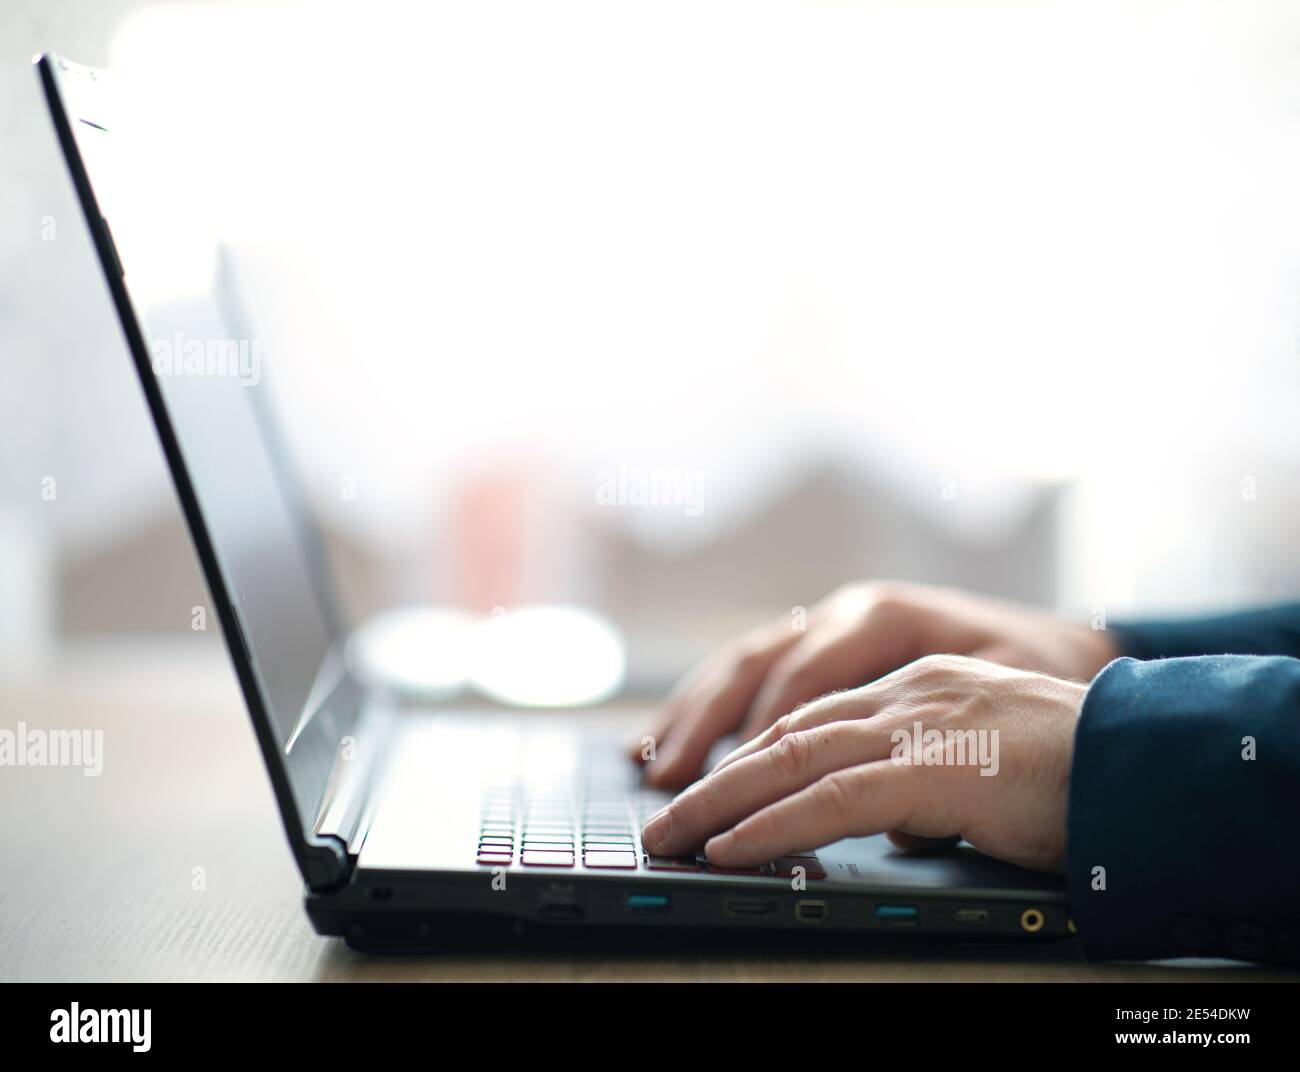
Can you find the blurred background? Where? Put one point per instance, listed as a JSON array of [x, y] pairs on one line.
[[686, 312]]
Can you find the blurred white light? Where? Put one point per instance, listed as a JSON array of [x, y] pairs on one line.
[[548, 657], [419, 650]]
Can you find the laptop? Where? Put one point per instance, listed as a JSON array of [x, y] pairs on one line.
[[415, 826]]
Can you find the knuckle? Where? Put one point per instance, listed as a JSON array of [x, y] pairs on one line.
[[807, 715], [933, 667], [888, 596], [791, 754], [853, 591]]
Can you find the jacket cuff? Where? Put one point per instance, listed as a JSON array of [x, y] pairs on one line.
[[1181, 833]]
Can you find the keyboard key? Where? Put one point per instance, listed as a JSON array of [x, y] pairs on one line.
[[760, 871], [623, 861], [494, 859], [811, 867], [543, 858], [671, 863], [496, 839], [608, 846]]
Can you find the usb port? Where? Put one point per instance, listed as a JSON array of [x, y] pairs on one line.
[[971, 915], [646, 903], [897, 913]]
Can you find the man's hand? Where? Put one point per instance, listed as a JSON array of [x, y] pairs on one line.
[[854, 636], [837, 768]]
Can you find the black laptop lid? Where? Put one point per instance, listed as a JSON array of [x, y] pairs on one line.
[[205, 388]]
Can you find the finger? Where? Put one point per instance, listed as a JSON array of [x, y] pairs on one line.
[[715, 705], [846, 651], [915, 843], [645, 746], [821, 663], [794, 762], [668, 715], [670, 712], [854, 704], [702, 720], [870, 799]]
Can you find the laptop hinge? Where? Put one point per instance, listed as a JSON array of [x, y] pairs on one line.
[[346, 804], [325, 863]]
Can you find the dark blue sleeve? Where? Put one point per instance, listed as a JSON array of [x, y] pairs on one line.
[[1267, 631], [1185, 809]]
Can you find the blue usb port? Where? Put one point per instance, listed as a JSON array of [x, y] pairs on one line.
[[897, 913], [646, 903]]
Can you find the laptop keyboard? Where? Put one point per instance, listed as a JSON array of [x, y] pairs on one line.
[[596, 824]]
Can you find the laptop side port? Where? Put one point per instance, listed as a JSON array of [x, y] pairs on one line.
[[748, 908], [971, 916], [561, 911], [811, 911], [1032, 920], [646, 904], [898, 915]]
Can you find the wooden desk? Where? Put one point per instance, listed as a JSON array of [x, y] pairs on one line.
[[99, 872]]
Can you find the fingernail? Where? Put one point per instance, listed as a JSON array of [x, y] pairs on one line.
[[657, 828]]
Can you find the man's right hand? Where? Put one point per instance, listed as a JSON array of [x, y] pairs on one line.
[[855, 635]]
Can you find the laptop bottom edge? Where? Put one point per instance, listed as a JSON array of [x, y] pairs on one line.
[[422, 911]]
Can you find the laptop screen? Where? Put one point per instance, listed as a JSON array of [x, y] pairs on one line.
[[212, 382]]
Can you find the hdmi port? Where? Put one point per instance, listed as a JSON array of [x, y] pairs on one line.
[[748, 909]]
